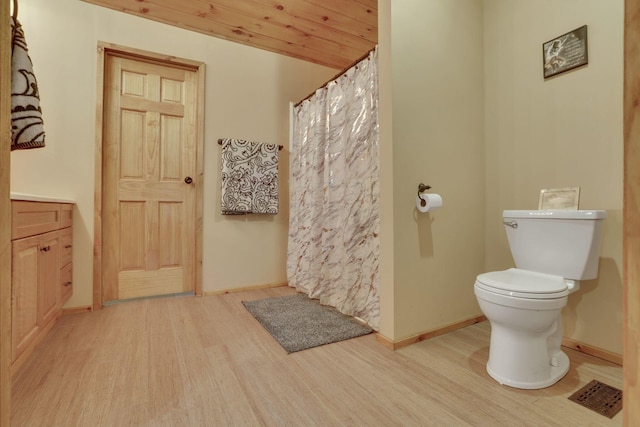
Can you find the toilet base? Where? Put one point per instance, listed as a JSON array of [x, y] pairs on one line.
[[556, 374], [526, 337]]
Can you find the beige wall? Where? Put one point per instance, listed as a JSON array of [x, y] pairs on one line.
[[463, 108], [247, 96], [436, 62], [385, 121], [562, 132], [473, 117]]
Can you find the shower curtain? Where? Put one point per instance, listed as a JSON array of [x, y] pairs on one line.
[[333, 247]]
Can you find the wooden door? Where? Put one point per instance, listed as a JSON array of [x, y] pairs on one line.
[[48, 278], [149, 164], [24, 310]]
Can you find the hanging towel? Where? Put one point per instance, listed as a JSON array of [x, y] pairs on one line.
[[27, 130], [249, 177]]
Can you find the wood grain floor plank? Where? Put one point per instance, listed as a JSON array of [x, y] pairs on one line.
[[189, 361]]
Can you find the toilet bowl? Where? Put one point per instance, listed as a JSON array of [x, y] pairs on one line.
[[552, 251], [526, 326]]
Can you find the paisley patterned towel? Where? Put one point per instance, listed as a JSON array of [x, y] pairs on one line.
[[26, 115], [249, 177]]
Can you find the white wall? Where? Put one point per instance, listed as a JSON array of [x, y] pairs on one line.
[[247, 96], [562, 132]]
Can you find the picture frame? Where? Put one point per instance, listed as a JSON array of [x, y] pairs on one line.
[[565, 52], [559, 198]]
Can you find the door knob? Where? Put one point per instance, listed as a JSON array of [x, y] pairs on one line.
[[188, 180]]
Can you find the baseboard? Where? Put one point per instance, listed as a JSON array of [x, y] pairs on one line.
[[390, 344], [77, 310], [245, 289], [593, 351], [385, 341]]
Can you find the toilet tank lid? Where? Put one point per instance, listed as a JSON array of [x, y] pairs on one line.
[[556, 214]]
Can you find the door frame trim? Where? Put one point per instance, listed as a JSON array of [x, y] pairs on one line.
[[5, 215], [104, 49]]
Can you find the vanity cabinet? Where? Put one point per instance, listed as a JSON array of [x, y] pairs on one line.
[[41, 272]]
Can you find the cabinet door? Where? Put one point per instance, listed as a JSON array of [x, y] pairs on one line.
[[24, 304], [66, 246], [66, 284], [66, 280], [48, 282]]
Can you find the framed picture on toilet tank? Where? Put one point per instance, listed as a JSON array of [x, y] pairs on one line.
[[565, 52], [559, 198]]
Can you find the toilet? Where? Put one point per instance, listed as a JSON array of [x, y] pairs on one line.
[[553, 250]]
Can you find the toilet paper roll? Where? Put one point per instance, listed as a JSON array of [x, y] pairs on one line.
[[428, 202]]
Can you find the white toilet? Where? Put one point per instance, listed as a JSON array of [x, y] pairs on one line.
[[552, 250]]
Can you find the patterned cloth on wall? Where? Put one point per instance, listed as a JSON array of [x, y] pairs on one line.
[[249, 177], [27, 129]]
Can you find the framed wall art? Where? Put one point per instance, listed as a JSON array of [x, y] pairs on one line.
[[559, 198], [565, 53]]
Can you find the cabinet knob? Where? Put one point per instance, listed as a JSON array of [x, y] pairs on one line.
[[188, 180], [68, 246], [67, 283], [45, 248]]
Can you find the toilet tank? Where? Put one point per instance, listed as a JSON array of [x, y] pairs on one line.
[[561, 242]]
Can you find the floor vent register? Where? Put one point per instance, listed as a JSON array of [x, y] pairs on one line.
[[599, 397]]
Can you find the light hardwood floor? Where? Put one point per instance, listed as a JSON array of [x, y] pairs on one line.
[[192, 361]]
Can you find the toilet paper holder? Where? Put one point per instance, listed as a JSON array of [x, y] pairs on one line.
[[421, 189]]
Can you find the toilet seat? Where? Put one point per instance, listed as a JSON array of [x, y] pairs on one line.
[[525, 284]]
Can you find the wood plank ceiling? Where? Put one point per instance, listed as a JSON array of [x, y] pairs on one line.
[[334, 33]]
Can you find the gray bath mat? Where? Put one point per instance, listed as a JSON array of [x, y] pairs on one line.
[[298, 322]]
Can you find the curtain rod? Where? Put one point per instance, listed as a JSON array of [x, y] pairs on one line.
[[280, 147], [356, 62]]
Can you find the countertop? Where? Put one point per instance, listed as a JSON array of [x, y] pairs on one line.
[[35, 198]]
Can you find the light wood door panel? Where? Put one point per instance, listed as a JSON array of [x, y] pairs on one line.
[[35, 287], [49, 271], [66, 246], [24, 308], [65, 239], [149, 150]]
